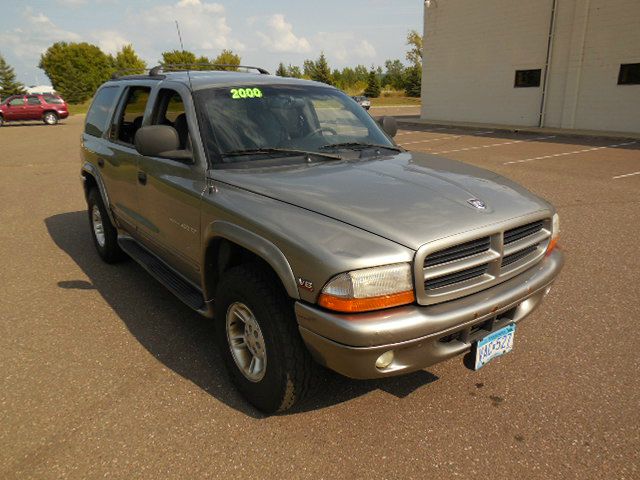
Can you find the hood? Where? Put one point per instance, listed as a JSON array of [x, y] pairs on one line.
[[409, 198]]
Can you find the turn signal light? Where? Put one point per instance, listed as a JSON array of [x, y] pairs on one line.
[[365, 304]]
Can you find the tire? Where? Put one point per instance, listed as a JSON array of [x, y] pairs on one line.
[[104, 234], [287, 367], [1, 120], [50, 118]]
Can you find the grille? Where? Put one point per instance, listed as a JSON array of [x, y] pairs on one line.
[[457, 252], [458, 269], [514, 257], [457, 277], [518, 233]]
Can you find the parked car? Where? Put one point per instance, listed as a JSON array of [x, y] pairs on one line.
[[364, 102], [305, 232], [46, 107]]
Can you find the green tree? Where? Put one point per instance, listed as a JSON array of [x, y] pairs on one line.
[[308, 68], [227, 57], [76, 70], [321, 71], [373, 85], [361, 73], [394, 74], [282, 70], [178, 57], [294, 71], [413, 81], [8, 83], [414, 42], [127, 61], [203, 61]]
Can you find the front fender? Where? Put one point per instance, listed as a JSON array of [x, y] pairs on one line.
[[256, 244]]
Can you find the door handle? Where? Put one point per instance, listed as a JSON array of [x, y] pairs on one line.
[[101, 162], [142, 178]]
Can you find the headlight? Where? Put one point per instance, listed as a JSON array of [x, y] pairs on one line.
[[555, 233], [369, 289]]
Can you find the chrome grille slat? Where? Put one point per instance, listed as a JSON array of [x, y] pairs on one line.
[[458, 277], [463, 263], [459, 251], [525, 242], [514, 257], [469, 262], [515, 234]]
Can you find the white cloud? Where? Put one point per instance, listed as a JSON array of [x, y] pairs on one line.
[[203, 25], [37, 34], [110, 41], [72, 3], [345, 47], [279, 36]]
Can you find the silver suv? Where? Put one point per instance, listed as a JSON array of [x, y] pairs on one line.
[[281, 210]]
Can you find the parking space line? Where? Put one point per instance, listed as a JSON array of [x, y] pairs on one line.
[[584, 150], [450, 137], [494, 145], [626, 175]]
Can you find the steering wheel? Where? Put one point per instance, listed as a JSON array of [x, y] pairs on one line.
[[322, 129]]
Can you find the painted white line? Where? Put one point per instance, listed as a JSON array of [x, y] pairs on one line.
[[626, 175], [450, 137], [584, 150], [484, 133], [494, 145]]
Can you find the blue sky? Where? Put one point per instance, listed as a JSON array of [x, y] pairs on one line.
[[262, 32]]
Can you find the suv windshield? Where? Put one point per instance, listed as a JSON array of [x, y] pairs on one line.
[[306, 118]]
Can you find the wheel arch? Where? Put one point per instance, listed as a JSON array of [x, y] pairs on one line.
[[91, 178], [228, 245]]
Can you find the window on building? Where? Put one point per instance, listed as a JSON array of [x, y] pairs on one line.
[[629, 74], [527, 78]]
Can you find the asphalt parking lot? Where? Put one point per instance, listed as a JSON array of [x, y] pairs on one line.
[[104, 374]]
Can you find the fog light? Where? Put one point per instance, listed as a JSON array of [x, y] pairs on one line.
[[385, 359]]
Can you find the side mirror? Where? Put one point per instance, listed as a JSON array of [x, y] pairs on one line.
[[160, 141], [389, 125]]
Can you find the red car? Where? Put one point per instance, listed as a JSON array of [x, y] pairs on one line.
[[46, 107]]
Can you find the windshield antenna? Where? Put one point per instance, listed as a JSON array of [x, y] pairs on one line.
[[182, 49]]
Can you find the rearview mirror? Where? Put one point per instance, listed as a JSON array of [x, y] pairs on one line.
[[160, 141], [389, 125]]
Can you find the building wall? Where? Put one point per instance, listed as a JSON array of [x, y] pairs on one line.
[[472, 50]]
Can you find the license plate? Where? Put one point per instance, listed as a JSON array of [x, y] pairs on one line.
[[493, 345]]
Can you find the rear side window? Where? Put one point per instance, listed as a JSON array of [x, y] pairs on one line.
[[53, 100], [33, 101], [98, 115]]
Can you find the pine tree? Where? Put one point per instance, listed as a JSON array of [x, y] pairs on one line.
[[413, 81], [373, 85], [8, 84], [321, 71], [282, 70]]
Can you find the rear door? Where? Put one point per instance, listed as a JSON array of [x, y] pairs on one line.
[[171, 192], [33, 108]]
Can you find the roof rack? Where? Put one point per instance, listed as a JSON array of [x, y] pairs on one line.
[[177, 67], [118, 73]]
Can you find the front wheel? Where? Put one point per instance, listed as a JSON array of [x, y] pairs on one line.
[[1, 120], [259, 340], [50, 118], [104, 234]]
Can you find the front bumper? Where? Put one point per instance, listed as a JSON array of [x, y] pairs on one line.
[[421, 336]]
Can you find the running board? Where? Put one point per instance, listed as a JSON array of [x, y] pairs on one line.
[[182, 289]]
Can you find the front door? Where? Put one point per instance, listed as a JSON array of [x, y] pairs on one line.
[[121, 165], [15, 109], [171, 192]]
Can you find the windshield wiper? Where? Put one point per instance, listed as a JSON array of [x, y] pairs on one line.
[[282, 151], [360, 146]]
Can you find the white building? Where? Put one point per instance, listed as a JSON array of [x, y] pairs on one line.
[[40, 89], [554, 63]]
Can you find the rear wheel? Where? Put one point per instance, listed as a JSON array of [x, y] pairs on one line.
[[259, 339], [50, 118], [104, 234]]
